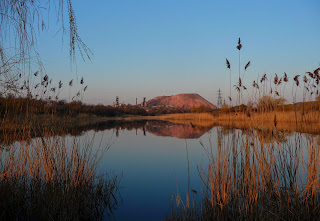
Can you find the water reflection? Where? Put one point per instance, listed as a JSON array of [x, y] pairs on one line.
[[163, 128], [180, 129], [264, 135], [185, 130]]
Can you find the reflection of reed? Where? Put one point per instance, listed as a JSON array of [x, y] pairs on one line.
[[265, 135], [285, 127], [8, 137]]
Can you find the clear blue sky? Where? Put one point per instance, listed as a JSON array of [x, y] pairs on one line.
[[151, 48]]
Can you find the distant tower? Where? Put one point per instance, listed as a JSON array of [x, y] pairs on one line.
[[219, 98], [136, 101], [144, 102], [117, 100]]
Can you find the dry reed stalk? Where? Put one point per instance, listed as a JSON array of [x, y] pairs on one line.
[[260, 180], [49, 177]]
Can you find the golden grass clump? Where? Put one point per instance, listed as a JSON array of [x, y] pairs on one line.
[[45, 175], [265, 164], [250, 178], [53, 177]]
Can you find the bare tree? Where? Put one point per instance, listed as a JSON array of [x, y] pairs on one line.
[[21, 22]]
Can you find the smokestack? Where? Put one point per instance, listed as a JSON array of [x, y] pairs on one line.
[[136, 101], [144, 102]]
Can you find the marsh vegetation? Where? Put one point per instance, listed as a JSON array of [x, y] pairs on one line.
[[47, 175], [255, 173], [264, 163]]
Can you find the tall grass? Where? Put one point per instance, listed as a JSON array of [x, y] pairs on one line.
[[256, 173], [48, 176], [251, 178], [53, 178]]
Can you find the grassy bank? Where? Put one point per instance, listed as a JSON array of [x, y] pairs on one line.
[[281, 116]]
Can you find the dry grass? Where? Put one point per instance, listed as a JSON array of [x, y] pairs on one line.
[[55, 178], [263, 171], [288, 116], [51, 177], [251, 178]]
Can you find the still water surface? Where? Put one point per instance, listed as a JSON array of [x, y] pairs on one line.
[[153, 161], [159, 160]]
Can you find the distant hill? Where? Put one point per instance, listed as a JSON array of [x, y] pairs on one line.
[[186, 101]]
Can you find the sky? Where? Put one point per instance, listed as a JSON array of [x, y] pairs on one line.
[[153, 48]]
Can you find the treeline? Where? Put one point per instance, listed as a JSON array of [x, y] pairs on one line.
[[11, 106]]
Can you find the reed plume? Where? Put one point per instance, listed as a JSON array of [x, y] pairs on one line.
[[296, 79], [245, 68], [228, 64], [275, 80], [239, 46], [285, 77], [247, 65]]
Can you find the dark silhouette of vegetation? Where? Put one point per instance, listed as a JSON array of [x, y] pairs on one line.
[[200, 109]]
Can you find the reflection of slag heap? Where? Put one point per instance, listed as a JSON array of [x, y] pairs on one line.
[[182, 131]]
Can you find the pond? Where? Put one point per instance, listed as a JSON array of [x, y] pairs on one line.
[[158, 161]]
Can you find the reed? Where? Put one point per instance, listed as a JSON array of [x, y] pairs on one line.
[[47, 176], [251, 177], [53, 178], [256, 173]]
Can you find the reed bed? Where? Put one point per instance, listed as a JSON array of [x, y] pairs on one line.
[[268, 170], [288, 116], [55, 178], [251, 178], [282, 116], [46, 175]]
